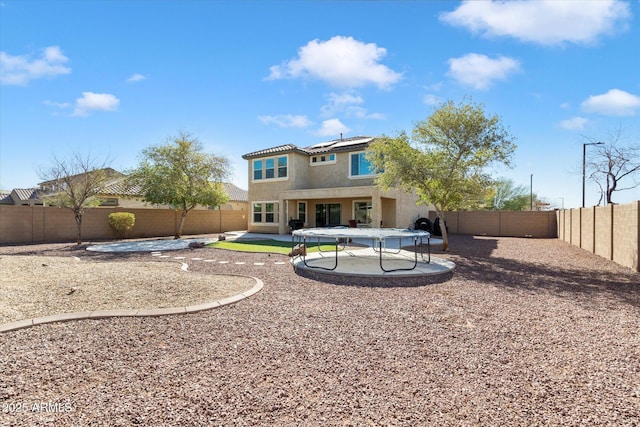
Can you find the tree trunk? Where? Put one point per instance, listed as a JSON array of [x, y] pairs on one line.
[[78, 217], [443, 228], [445, 237], [181, 223]]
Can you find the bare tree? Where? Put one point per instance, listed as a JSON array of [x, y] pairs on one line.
[[615, 167], [74, 183]]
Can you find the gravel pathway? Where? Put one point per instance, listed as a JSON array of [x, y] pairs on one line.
[[526, 332]]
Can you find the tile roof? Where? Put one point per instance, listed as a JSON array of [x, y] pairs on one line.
[[336, 145], [119, 187], [236, 194], [286, 148], [27, 193], [5, 199], [109, 172]]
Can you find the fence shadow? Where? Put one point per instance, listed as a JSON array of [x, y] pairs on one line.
[[476, 260]]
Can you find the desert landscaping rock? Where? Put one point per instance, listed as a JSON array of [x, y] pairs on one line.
[[524, 332], [39, 286]]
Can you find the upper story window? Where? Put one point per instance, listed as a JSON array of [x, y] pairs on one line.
[[257, 170], [323, 159], [360, 166], [271, 168]]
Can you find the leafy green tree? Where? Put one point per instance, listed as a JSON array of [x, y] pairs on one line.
[[180, 174], [446, 158], [74, 183], [507, 196]]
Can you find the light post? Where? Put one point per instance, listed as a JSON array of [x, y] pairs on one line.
[[584, 156], [531, 194]]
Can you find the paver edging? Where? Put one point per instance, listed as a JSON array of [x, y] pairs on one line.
[[102, 314]]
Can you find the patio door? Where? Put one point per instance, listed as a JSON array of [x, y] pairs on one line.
[[328, 214]]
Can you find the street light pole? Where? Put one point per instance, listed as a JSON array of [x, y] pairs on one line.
[[584, 156], [531, 194]]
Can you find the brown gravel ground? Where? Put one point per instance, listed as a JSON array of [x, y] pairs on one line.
[[525, 332], [38, 286]]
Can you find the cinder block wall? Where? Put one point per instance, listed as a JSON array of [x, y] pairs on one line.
[[30, 224], [541, 224], [612, 231]]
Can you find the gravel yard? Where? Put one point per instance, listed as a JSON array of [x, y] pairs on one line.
[[37, 286], [526, 332]]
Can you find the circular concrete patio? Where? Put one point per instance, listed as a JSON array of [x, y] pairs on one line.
[[365, 263]]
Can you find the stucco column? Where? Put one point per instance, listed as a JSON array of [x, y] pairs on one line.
[[376, 208], [283, 226]]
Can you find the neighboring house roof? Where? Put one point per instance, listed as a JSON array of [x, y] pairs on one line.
[[336, 145], [115, 187], [24, 194], [236, 194], [5, 199], [107, 171], [118, 187]]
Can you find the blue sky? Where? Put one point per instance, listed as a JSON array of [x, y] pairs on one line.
[[109, 78]]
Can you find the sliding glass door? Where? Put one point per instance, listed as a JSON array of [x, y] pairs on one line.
[[328, 214]]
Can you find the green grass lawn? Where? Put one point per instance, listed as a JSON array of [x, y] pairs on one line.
[[271, 246]]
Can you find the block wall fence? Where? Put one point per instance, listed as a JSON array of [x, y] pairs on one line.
[[612, 231], [540, 224], [32, 224]]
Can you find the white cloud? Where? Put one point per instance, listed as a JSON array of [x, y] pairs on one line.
[[339, 102], [286, 120], [363, 113], [348, 104], [616, 102], [332, 127], [480, 71], [19, 70], [431, 99], [136, 78], [574, 123], [60, 105], [340, 61], [547, 22], [95, 102]]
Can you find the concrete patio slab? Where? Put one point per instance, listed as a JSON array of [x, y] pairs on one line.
[[366, 263], [156, 245]]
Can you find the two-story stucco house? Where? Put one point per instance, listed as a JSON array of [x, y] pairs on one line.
[[326, 184]]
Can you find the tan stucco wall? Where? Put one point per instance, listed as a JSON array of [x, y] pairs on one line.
[[328, 183]]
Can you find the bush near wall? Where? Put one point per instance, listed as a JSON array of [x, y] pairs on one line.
[[121, 223]]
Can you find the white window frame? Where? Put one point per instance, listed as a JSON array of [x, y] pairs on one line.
[[275, 169], [353, 207], [320, 162], [263, 212], [351, 175]]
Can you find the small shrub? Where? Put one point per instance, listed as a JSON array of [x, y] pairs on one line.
[[121, 223]]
